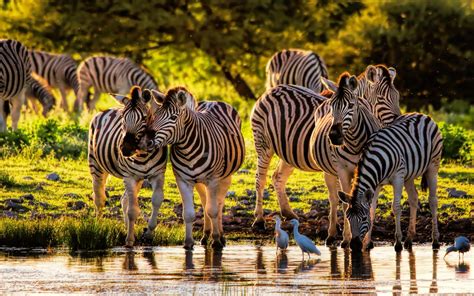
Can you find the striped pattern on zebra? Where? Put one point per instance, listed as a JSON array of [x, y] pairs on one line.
[[38, 90], [343, 125], [408, 148], [58, 70], [207, 148], [113, 150], [15, 75], [295, 66], [110, 75]]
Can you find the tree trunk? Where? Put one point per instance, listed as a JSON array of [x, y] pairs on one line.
[[239, 84]]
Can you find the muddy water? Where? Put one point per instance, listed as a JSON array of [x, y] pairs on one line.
[[239, 269]]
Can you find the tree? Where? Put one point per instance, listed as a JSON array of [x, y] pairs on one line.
[[235, 33]]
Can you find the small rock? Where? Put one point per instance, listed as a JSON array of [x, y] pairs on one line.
[[14, 200], [146, 184], [72, 195], [76, 205], [39, 187], [28, 196], [10, 214], [243, 171], [53, 177], [294, 198], [226, 220], [172, 185], [230, 194], [28, 178], [447, 206], [456, 193], [10, 205], [245, 202], [250, 193], [44, 205], [266, 194], [241, 181]]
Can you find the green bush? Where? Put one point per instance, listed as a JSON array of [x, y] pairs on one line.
[[457, 142]]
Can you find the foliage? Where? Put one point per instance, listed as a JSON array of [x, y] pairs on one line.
[[29, 233], [6, 181], [457, 142], [428, 42]]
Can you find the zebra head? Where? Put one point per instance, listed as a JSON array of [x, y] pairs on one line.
[[358, 214], [382, 94], [135, 115], [343, 106], [167, 125]]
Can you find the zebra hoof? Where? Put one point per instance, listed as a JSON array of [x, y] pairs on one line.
[[345, 244], [223, 242], [408, 245], [398, 247], [217, 245], [204, 240], [258, 225], [330, 241], [370, 246], [146, 237], [289, 215], [435, 245]]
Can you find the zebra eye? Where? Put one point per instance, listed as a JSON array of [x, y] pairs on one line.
[[173, 117]]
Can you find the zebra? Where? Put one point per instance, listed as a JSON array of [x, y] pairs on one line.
[[109, 74], [283, 122], [38, 90], [112, 150], [295, 66], [207, 147], [58, 70], [408, 148], [15, 76]]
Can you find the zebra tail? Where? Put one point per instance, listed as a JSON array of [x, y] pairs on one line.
[[424, 183]]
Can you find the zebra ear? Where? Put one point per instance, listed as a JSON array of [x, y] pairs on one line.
[[352, 83], [181, 98], [157, 96], [371, 74], [328, 84], [344, 197], [368, 195], [135, 93], [122, 99], [393, 73]]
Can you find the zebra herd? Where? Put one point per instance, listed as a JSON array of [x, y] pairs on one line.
[[353, 131]]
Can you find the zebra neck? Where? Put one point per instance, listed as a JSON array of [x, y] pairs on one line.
[[192, 125], [358, 134]]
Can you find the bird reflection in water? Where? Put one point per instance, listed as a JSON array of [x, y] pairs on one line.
[[129, 261], [282, 262], [461, 269]]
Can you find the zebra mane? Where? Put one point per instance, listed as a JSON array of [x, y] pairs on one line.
[[175, 95]]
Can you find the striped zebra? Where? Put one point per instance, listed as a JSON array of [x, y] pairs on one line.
[[15, 75], [408, 148], [113, 138], [285, 122], [295, 66], [207, 147], [110, 75], [38, 90], [58, 70]]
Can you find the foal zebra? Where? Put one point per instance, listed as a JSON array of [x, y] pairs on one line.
[[294, 66], [15, 76], [59, 71], [408, 148], [113, 149], [207, 147], [109, 74]]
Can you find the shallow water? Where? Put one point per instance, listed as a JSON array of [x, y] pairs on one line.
[[239, 269]]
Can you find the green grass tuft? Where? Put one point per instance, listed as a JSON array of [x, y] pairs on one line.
[[28, 233]]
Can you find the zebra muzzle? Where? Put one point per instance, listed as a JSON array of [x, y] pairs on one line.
[[335, 134]]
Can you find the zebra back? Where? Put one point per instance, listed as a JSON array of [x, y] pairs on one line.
[[297, 67], [57, 69], [282, 121], [15, 68]]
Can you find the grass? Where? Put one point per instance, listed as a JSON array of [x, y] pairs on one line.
[[51, 220]]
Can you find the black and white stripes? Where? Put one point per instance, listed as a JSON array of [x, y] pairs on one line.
[[109, 74], [294, 66], [15, 75]]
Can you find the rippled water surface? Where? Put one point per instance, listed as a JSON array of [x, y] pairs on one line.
[[239, 269]]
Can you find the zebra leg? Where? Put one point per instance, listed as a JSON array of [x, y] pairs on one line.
[[345, 178], [215, 199], [91, 105], [156, 201], [3, 115], [279, 178], [186, 191], [17, 103], [397, 211], [124, 203], [98, 186], [81, 98], [331, 183], [263, 162], [413, 202], [132, 187], [64, 103], [201, 189], [432, 179], [368, 244], [221, 203]]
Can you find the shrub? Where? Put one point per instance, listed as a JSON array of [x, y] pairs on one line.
[[457, 142]]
